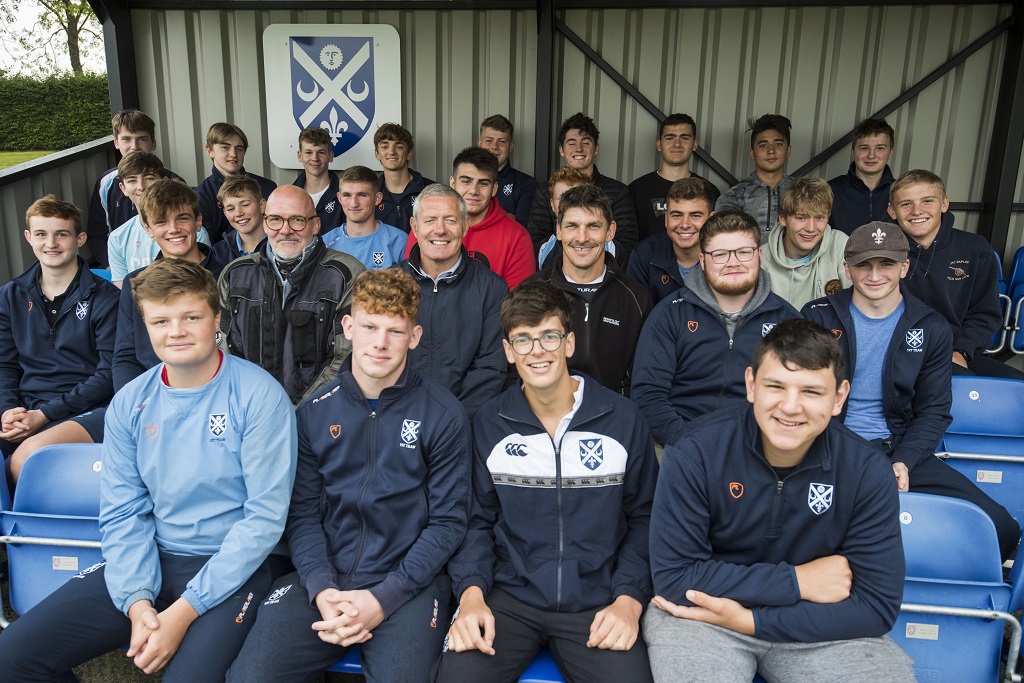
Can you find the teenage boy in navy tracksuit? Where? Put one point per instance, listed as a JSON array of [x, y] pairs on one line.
[[380, 503], [694, 346], [897, 359], [57, 324], [775, 539], [556, 553], [198, 461]]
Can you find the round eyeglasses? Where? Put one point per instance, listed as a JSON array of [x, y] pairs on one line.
[[549, 341], [721, 256]]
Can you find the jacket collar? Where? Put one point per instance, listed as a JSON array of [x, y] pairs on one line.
[[402, 385], [512, 404], [819, 454], [886, 181], [413, 266]]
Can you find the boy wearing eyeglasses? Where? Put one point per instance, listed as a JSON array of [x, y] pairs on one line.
[[695, 346], [282, 306], [563, 480]]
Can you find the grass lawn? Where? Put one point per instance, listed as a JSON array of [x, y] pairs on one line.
[[13, 158]]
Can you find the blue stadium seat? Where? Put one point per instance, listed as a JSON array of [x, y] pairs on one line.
[[1016, 270], [102, 272], [985, 441], [52, 528], [542, 670], [955, 602]]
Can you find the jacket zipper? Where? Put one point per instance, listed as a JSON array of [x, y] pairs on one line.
[[358, 555]]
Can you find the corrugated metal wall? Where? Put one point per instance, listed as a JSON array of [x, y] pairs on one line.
[[825, 67], [458, 67]]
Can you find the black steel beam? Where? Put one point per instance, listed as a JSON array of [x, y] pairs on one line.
[[633, 92], [909, 94], [119, 45], [334, 5], [545, 68], [1007, 140], [748, 4]]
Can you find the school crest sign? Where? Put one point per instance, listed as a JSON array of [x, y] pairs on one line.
[[330, 76]]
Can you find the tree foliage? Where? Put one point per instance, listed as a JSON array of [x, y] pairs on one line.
[[59, 28]]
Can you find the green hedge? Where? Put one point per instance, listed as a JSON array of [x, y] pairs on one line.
[[55, 113]]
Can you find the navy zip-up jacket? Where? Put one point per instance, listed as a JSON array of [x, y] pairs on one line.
[[396, 209], [653, 264], [687, 365], [62, 370], [381, 496], [958, 276], [209, 207], [725, 525], [461, 318], [515, 193], [328, 209], [916, 377], [133, 353], [561, 524], [227, 249], [854, 205]]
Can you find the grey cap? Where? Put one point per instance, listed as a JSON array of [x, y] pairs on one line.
[[877, 239]]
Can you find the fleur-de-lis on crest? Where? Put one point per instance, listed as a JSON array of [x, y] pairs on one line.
[[877, 234], [335, 127]]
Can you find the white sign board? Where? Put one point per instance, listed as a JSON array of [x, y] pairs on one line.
[[345, 79]]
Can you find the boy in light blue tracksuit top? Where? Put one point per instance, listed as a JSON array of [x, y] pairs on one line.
[[377, 245], [198, 462]]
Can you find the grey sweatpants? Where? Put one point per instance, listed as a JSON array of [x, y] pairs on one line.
[[682, 650]]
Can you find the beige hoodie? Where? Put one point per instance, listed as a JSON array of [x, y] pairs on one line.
[[799, 283]]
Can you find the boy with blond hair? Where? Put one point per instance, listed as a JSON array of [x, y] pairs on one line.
[[57, 323], [377, 245], [803, 256], [134, 131], [243, 205], [316, 154], [226, 145]]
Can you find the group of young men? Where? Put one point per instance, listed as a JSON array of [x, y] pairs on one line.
[[328, 432]]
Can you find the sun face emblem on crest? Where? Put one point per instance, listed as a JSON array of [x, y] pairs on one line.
[[331, 57]]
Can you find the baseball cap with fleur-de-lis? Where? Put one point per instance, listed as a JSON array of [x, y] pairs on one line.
[[877, 239]]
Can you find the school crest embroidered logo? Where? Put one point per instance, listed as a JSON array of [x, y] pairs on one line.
[[691, 325], [735, 489], [507, 190], [218, 423], [276, 596], [378, 258], [81, 309], [819, 497], [838, 334], [766, 328], [152, 431], [330, 207], [915, 338], [410, 430], [665, 279], [335, 431], [591, 453], [832, 286]]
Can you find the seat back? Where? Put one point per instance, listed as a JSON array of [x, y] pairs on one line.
[[989, 406], [57, 499], [948, 539], [62, 479]]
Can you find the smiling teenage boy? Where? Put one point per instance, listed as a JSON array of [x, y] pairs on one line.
[[316, 154], [758, 193], [377, 245], [515, 188], [557, 550], [198, 462], [804, 257], [380, 503], [775, 535], [862, 194], [57, 325], [226, 146], [393, 146], [662, 261], [243, 204]]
